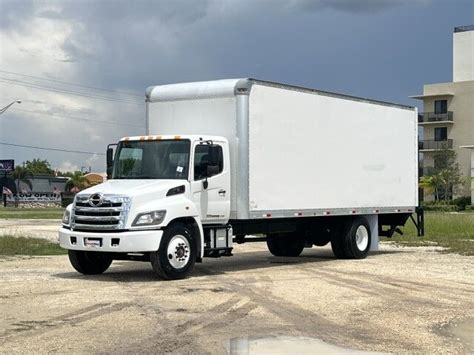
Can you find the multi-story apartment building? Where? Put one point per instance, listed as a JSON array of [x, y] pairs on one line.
[[447, 119]]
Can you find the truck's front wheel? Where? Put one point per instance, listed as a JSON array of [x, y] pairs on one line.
[[177, 253], [89, 262], [288, 244]]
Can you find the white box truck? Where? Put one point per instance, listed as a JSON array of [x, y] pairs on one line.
[[248, 160]]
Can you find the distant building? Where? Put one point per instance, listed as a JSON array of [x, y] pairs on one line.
[[448, 111], [45, 183]]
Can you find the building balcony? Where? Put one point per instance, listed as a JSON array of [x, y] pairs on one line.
[[433, 118], [432, 145]]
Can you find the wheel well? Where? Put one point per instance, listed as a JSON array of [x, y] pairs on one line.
[[191, 223]]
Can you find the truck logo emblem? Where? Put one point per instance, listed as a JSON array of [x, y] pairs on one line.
[[96, 200]]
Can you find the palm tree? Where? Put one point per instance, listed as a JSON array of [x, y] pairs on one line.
[[76, 182], [431, 183], [21, 174]]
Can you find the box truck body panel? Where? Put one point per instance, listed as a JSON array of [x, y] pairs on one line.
[[318, 152]]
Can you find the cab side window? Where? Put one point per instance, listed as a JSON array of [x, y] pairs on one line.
[[201, 161]]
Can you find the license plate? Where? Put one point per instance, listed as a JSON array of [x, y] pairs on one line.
[[93, 243]]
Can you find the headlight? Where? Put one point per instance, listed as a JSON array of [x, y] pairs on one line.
[[149, 218], [66, 217]]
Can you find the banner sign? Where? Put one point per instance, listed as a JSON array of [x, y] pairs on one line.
[[34, 197], [7, 165]]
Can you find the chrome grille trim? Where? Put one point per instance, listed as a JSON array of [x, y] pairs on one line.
[[110, 215], [102, 209]]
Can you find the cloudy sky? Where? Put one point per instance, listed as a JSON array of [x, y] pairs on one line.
[[81, 67]]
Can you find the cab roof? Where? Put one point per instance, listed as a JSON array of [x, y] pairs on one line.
[[191, 137]]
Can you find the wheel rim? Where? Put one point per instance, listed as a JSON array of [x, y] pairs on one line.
[[362, 238], [178, 252]]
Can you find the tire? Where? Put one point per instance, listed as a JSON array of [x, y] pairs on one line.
[[287, 244], [89, 262], [176, 256], [337, 240], [358, 239]]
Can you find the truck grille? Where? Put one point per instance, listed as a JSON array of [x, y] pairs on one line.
[[100, 212]]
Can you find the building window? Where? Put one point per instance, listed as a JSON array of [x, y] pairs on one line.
[[441, 134], [441, 106]]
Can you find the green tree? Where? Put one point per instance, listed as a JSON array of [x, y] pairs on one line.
[[76, 182], [430, 184], [39, 167], [22, 174], [445, 178]]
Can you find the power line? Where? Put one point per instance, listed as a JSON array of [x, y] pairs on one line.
[[53, 149], [75, 118], [64, 91], [70, 83]]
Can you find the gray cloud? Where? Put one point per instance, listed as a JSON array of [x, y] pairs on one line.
[[15, 15], [353, 6]]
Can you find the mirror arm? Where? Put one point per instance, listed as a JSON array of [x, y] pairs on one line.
[[110, 160]]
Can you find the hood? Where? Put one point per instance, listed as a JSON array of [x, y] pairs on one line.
[[133, 188]]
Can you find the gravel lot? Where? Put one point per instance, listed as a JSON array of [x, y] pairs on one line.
[[397, 300], [38, 228]]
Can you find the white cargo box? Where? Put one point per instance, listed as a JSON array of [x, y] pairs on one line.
[[297, 151]]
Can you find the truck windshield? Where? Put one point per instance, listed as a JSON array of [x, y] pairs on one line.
[[159, 159]]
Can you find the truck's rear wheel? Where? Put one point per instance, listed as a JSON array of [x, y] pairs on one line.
[[89, 262], [354, 242], [288, 244], [177, 253]]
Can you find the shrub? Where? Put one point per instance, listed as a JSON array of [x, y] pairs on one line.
[[462, 202], [441, 207]]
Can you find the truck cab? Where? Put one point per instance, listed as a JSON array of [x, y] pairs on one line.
[[156, 183]]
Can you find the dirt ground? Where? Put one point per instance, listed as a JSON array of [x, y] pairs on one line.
[[397, 300], [38, 228]]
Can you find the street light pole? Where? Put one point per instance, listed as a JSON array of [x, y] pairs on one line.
[[8, 106]]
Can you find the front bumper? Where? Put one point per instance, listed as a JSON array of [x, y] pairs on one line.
[[128, 242]]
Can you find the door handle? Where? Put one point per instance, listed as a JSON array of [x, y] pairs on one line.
[[221, 192]]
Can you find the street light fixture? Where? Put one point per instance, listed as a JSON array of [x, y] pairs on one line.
[[8, 106]]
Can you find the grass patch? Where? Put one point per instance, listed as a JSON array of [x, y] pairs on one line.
[[453, 231], [31, 213], [10, 245]]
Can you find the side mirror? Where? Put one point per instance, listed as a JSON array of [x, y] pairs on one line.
[[211, 170], [110, 161], [214, 152]]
